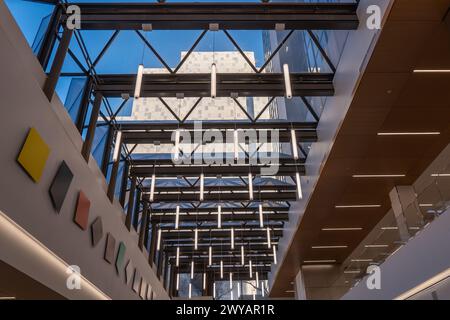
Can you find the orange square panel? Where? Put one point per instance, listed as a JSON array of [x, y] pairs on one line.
[[82, 211]]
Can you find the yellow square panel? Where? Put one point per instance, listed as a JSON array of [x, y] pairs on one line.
[[34, 155]]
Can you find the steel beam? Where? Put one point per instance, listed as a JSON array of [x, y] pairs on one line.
[[199, 84], [240, 16]]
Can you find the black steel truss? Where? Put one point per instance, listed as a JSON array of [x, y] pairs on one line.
[[241, 16], [199, 85]]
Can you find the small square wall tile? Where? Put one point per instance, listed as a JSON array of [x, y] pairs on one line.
[[33, 155], [81, 217], [110, 248], [60, 185], [96, 231]]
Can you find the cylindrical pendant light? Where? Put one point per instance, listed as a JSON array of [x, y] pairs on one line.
[[250, 186], [232, 239], [287, 81], [242, 256], [221, 269], [269, 243], [261, 218], [274, 254], [210, 256], [178, 281], [257, 279], [152, 188], [202, 186], [213, 81], [177, 216], [299, 186], [219, 217], [294, 144], [250, 268], [158, 243], [177, 261], [196, 239], [137, 88], [192, 269], [231, 280], [236, 144]]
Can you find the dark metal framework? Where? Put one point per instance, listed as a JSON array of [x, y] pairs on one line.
[[238, 211]]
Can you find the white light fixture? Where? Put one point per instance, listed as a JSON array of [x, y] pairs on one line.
[[236, 144], [214, 290], [219, 217], [232, 295], [250, 268], [221, 269], [341, 229], [261, 218], [299, 186], [329, 247], [190, 290], [152, 188], [196, 239], [358, 206], [137, 88], [202, 186], [257, 279], [269, 244], [231, 280], [117, 146], [320, 261], [432, 71], [176, 155], [238, 290], [250, 186], [262, 289], [192, 269], [177, 216], [232, 239], [210, 255], [287, 81], [177, 263], [361, 260], [440, 175], [425, 133], [294, 144], [213, 81], [242, 256], [178, 281], [158, 243], [378, 175], [274, 249], [376, 246], [204, 280]]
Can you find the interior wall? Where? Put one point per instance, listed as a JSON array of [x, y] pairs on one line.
[[24, 105]]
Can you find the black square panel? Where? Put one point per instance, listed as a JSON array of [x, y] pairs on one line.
[[60, 185], [96, 231]]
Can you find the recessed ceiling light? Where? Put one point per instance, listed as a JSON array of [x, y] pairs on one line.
[[341, 229], [329, 247], [425, 204], [389, 228], [440, 175], [320, 261], [378, 175], [376, 246], [362, 260], [425, 133], [352, 271], [431, 71], [358, 206]]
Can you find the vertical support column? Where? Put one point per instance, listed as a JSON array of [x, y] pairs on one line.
[[209, 283], [115, 168], [87, 145], [49, 40], [147, 227], [84, 105], [151, 255], [144, 223], [173, 279], [136, 210], [107, 151], [406, 213], [124, 184], [55, 71], [160, 261], [129, 218], [299, 286]]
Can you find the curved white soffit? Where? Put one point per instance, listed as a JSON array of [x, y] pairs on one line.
[[25, 253]]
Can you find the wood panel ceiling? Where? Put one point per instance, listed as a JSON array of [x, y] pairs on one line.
[[390, 98]]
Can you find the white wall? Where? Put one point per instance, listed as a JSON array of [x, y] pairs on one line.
[[23, 105]]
